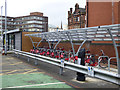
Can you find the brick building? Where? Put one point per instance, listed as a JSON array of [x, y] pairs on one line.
[[33, 22], [76, 18], [102, 13]]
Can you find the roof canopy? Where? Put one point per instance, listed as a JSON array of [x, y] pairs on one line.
[[100, 33]]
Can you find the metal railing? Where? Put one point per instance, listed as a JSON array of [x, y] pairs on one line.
[[88, 70]]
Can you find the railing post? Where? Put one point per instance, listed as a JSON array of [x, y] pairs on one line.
[[61, 71], [70, 38], [18, 55], [61, 67], [28, 59], [36, 62]]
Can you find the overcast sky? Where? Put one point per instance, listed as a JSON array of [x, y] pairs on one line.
[[56, 10]]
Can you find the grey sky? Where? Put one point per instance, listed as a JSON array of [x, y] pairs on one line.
[[56, 10]]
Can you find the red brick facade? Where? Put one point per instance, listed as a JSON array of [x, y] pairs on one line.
[[76, 19], [102, 13]]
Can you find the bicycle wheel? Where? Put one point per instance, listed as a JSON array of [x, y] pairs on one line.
[[104, 62]]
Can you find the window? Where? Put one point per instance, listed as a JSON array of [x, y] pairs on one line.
[[76, 19]]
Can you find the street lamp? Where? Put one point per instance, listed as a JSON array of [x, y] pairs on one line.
[[5, 27]]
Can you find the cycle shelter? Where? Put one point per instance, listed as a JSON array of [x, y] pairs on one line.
[[99, 33]]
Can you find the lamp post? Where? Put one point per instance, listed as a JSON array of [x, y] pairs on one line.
[[5, 27], [1, 26]]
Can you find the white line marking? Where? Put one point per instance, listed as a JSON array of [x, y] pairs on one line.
[[36, 85]]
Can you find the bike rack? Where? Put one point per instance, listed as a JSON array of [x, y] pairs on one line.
[[99, 33], [109, 62]]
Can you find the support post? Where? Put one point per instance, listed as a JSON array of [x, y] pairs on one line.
[[49, 44], [32, 41], [81, 46], [116, 51], [39, 43], [57, 44], [71, 43]]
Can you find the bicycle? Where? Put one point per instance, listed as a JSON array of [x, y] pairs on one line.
[[102, 60]]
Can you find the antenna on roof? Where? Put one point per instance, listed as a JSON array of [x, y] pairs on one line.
[[61, 25]]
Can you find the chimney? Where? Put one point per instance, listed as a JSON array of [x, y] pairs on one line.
[[76, 6], [70, 10]]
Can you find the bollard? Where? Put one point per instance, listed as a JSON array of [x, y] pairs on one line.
[[81, 56]]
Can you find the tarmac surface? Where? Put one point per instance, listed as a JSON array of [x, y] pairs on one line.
[[19, 73]]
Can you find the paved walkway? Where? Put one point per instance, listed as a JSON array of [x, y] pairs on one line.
[[18, 74]]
